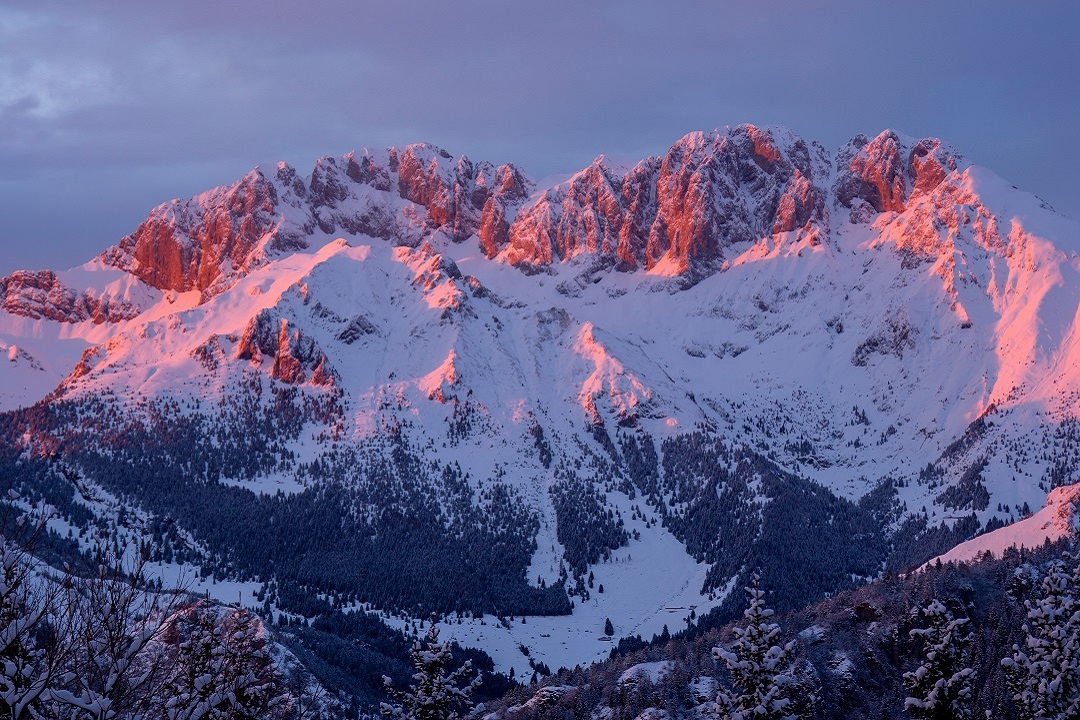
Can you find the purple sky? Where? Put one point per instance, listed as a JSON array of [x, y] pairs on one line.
[[109, 108]]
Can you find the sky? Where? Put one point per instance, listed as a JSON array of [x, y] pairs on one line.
[[110, 108]]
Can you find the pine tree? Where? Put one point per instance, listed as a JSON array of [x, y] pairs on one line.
[[760, 669], [433, 695], [941, 688], [609, 629], [1045, 674]]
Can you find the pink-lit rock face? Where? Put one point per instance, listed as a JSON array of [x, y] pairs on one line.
[[494, 231], [41, 295], [708, 192], [509, 189], [640, 195], [885, 171], [797, 205], [295, 356], [680, 213], [454, 192], [206, 242], [184, 245], [583, 215]]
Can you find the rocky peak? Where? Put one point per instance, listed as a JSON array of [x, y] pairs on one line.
[[455, 191], [205, 242], [429, 176], [41, 294], [356, 193], [884, 172], [507, 193], [328, 185], [292, 190], [192, 244], [676, 213], [708, 192]]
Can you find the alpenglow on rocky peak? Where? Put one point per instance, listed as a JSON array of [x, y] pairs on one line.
[[676, 214]]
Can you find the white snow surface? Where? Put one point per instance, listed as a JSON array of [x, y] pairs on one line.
[[1057, 519], [651, 670], [649, 584]]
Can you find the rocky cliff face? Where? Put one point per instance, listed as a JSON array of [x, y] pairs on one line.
[[192, 244], [295, 356], [40, 294], [884, 172], [681, 213], [206, 242], [707, 193]]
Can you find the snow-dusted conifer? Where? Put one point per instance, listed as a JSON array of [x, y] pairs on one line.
[[1045, 672], [759, 667], [941, 688], [434, 695], [223, 670]]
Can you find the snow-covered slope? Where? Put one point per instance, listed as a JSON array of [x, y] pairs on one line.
[[888, 316], [1057, 519]]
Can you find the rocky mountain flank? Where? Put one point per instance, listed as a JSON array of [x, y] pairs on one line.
[[679, 214]]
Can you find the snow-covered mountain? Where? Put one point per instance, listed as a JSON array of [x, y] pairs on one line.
[[749, 351]]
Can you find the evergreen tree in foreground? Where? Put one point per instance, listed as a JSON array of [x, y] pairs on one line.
[[760, 669], [433, 695], [1045, 672], [225, 671], [941, 688]]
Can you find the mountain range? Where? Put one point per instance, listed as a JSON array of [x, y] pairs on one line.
[[408, 382]]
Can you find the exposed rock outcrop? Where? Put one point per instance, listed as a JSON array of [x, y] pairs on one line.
[[708, 192], [296, 357], [42, 295], [886, 171], [678, 214], [197, 243]]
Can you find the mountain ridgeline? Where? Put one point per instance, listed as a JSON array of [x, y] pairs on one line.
[[414, 383]]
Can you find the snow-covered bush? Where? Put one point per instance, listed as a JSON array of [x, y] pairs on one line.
[[105, 644], [434, 695], [223, 669], [1045, 672]]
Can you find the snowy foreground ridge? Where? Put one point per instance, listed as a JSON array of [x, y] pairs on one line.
[[548, 365], [1057, 520]]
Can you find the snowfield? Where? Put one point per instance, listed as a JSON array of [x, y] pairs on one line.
[[1056, 520]]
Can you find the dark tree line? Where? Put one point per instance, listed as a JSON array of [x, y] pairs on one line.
[[952, 641], [375, 525]]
